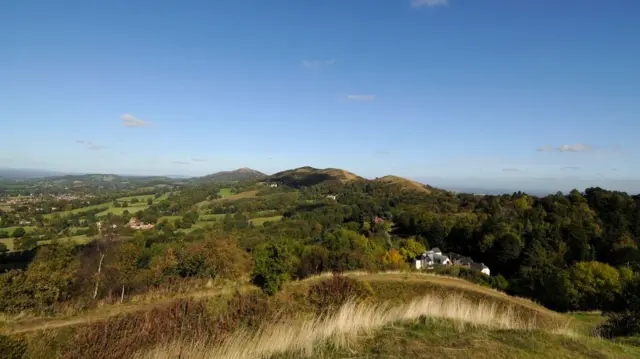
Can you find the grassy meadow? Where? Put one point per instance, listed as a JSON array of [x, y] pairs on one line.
[[406, 314], [109, 207], [7, 242], [10, 230], [259, 221]]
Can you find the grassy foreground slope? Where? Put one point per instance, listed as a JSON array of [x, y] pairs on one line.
[[435, 338], [401, 315], [412, 316]]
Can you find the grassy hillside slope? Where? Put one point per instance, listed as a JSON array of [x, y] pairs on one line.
[[403, 315], [309, 176], [404, 183], [241, 174]]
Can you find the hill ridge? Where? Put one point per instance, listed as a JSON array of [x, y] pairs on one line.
[[240, 174]]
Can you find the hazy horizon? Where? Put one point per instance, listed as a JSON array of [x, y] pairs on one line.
[[536, 186]]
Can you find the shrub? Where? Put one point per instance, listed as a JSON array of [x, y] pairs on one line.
[[620, 325], [19, 232], [251, 309], [272, 266], [25, 243], [12, 347], [14, 296], [330, 294], [627, 322]]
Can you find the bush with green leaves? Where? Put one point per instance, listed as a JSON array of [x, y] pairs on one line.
[[272, 265], [330, 294], [627, 321]]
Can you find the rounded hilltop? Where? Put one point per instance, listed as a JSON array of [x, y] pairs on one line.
[[405, 183]]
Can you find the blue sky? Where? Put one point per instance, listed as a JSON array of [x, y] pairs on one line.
[[467, 92]]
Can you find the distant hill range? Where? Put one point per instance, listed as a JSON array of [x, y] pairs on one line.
[[242, 174], [26, 173], [309, 176]]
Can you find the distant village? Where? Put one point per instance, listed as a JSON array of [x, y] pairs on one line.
[[434, 257]]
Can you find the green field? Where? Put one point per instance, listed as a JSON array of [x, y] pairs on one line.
[[197, 225], [260, 220], [10, 230], [132, 207], [230, 197], [77, 210], [120, 210], [170, 218], [7, 242], [81, 239], [75, 230], [143, 198], [225, 192], [211, 217]]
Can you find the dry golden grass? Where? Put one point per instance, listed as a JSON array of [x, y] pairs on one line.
[[450, 282], [343, 327], [437, 280], [404, 183], [333, 173]]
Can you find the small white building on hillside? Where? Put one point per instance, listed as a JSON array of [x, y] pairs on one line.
[[480, 267], [431, 258], [468, 262]]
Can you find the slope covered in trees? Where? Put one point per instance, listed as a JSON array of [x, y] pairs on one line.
[[241, 174]]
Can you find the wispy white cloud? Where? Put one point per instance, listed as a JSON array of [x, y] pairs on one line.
[[544, 148], [180, 162], [90, 145], [577, 147], [130, 120], [357, 97], [199, 159], [429, 3], [316, 64]]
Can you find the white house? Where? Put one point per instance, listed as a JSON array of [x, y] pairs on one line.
[[273, 185], [332, 196], [431, 258], [468, 262], [480, 267]]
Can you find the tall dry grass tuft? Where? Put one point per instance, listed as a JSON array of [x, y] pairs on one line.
[[351, 320]]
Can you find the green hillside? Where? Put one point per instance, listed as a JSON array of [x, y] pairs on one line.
[[241, 174]]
